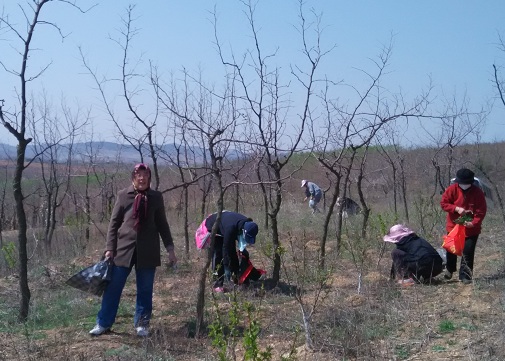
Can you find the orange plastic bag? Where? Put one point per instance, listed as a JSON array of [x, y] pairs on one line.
[[454, 242]]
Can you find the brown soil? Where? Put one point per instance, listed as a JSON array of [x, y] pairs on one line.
[[446, 320]]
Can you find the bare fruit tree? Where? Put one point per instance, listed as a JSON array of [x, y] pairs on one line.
[[267, 110], [54, 144], [141, 133], [394, 154], [17, 120], [188, 162], [209, 114], [457, 124], [483, 163], [347, 130]]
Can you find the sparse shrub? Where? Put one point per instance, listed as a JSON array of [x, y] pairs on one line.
[[9, 252], [446, 326], [427, 216], [402, 352], [241, 321]]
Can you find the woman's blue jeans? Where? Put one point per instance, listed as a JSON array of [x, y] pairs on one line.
[[112, 295]]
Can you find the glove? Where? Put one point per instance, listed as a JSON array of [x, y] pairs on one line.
[[227, 274]]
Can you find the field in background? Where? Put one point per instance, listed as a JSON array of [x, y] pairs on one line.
[[361, 315]]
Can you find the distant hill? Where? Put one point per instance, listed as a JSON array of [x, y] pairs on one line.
[[103, 151], [110, 152]]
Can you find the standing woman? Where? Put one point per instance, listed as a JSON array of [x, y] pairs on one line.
[[133, 239], [464, 198]]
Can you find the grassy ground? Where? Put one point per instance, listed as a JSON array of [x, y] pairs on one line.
[[359, 314]]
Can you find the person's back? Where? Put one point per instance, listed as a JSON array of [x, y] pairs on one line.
[[414, 258], [349, 207], [232, 227], [418, 249], [229, 221], [314, 191]]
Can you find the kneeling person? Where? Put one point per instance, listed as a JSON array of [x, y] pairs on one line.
[[234, 230], [414, 258]]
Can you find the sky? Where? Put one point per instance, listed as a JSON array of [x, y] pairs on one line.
[[451, 42]]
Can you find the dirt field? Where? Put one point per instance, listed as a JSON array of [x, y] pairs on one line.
[[383, 321]]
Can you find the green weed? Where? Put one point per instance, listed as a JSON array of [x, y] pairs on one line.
[[9, 252], [239, 327], [402, 352], [446, 326]]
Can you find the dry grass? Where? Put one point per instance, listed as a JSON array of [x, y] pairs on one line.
[[443, 321]]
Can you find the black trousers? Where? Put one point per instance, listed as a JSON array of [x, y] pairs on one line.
[[466, 265], [217, 262], [426, 268]]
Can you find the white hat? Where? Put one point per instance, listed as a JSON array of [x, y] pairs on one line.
[[304, 182]]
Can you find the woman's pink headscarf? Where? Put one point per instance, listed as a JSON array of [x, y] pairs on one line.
[[397, 232]]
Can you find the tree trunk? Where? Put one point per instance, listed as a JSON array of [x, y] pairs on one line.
[[200, 296], [309, 344], [22, 230], [404, 190], [326, 224], [263, 192], [87, 210], [276, 246], [276, 274], [186, 221]]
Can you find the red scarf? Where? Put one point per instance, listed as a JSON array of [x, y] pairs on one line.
[[139, 208]]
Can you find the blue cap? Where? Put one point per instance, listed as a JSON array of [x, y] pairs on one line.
[[250, 232]]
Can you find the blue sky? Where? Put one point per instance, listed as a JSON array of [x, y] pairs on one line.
[[453, 42]]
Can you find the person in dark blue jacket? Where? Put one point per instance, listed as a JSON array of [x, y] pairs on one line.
[[233, 227], [414, 259]]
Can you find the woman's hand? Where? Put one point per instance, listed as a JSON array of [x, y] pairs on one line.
[[461, 211], [109, 254], [468, 224], [172, 259]]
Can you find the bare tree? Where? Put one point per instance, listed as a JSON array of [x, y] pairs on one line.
[[186, 163], [204, 113], [306, 278], [93, 170], [482, 163], [141, 135], [55, 143], [266, 110], [17, 122], [457, 124], [499, 80], [348, 130], [3, 193]]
